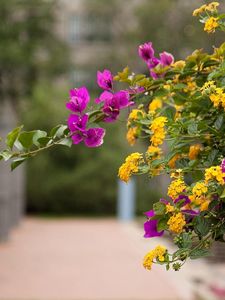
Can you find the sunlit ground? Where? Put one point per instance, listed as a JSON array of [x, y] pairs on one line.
[[92, 259]]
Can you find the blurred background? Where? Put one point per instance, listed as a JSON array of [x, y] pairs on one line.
[[50, 46]]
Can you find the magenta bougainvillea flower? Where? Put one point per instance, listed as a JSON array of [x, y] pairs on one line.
[[76, 122], [166, 59], [146, 51], [93, 137], [152, 63], [155, 65], [113, 103], [79, 99], [105, 80], [150, 227]]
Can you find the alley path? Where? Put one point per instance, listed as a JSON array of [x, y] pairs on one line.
[[79, 259]]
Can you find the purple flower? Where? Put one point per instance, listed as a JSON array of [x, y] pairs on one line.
[[77, 123], [113, 103], [183, 198], [150, 227], [79, 98], [105, 79], [92, 137], [105, 96], [152, 63], [146, 51], [166, 59], [164, 201]]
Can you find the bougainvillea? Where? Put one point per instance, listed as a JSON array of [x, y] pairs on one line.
[[179, 104]]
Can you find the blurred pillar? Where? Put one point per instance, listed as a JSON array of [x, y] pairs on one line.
[[126, 200]]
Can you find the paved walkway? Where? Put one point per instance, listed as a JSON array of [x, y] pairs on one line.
[[79, 259]]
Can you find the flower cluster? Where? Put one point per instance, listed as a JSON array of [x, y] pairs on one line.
[[211, 20], [157, 253], [156, 66], [77, 122], [130, 166], [158, 131]]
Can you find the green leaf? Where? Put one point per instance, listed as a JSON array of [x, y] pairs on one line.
[[186, 240], [26, 138], [192, 128], [201, 225], [12, 136], [219, 122], [17, 162], [198, 253], [6, 155], [159, 208], [162, 224], [58, 131], [211, 157], [43, 141], [66, 142], [169, 112], [38, 134]]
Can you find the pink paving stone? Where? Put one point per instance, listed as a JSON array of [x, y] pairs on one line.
[[83, 259]]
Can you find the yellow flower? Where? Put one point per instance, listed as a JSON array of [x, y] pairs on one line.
[[216, 173], [218, 97], [158, 130], [180, 64], [208, 86], [176, 223], [154, 151], [199, 10], [169, 208], [194, 151], [158, 252], [204, 205], [130, 166], [212, 6], [199, 189], [131, 135], [155, 104], [211, 24], [172, 162], [175, 188], [134, 115]]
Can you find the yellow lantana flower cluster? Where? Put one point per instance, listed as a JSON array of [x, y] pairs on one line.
[[134, 114], [211, 24], [213, 173], [176, 187], [218, 97], [176, 223], [211, 7], [194, 151], [131, 135], [198, 193], [154, 105], [130, 166], [157, 253], [169, 208], [158, 130]]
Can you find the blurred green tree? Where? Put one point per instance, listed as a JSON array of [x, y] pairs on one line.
[[29, 47]]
